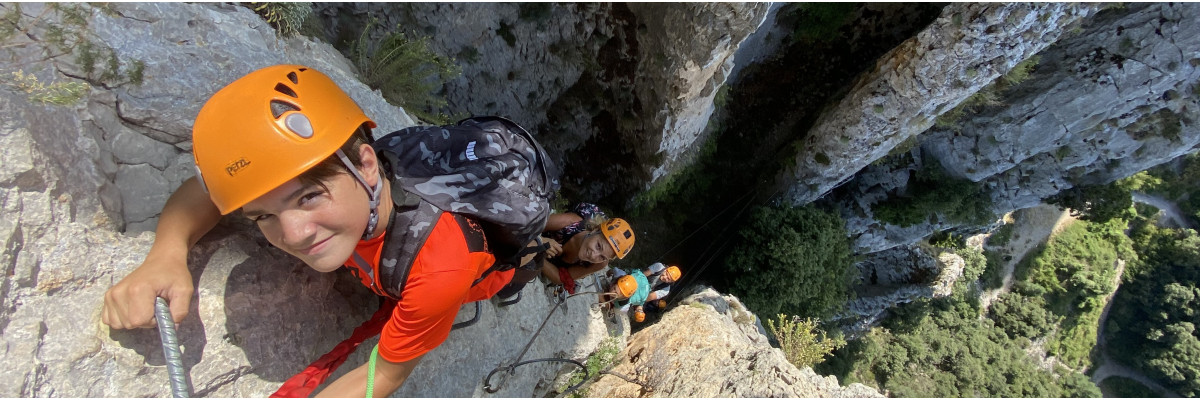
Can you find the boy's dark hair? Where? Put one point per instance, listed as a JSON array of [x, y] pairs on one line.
[[332, 165]]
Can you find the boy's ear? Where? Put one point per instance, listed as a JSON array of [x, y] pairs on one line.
[[370, 163]]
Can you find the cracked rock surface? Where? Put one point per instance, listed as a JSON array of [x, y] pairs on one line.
[[665, 360], [80, 188], [1112, 97]]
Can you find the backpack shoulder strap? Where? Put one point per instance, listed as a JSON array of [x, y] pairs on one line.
[[406, 233]]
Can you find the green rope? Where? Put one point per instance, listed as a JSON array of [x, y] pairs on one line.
[[371, 372]]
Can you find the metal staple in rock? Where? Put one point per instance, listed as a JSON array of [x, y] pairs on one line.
[[174, 358]]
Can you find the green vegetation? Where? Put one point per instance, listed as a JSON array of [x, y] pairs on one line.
[[802, 341], [601, 360], [989, 95], [992, 276], [57, 93], [1022, 316], [1001, 235], [1175, 181], [9, 21], [406, 71], [670, 186], [941, 348], [974, 260], [1152, 321], [1096, 203], [286, 17], [792, 260], [1073, 274], [932, 192], [1163, 123], [1122, 387], [819, 21], [534, 12], [62, 30]]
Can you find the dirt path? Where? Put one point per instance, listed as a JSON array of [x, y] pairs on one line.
[[1031, 227], [1168, 208], [1109, 367]]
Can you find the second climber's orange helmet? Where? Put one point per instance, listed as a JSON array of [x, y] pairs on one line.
[[268, 127], [626, 286], [639, 316], [619, 235], [673, 272]]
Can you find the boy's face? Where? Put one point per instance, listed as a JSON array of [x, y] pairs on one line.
[[317, 226]]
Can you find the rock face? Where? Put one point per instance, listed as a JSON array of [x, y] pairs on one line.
[[899, 275], [959, 53], [73, 175], [710, 346], [1116, 97], [626, 89]]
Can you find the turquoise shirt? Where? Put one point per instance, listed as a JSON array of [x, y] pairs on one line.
[[643, 289]]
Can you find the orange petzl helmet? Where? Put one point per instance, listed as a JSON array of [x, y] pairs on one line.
[[673, 272], [626, 286], [268, 127], [619, 235], [639, 316]]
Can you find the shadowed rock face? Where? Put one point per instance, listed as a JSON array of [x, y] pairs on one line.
[[711, 346], [616, 92]]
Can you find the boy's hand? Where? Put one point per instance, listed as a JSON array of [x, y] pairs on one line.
[[130, 303]]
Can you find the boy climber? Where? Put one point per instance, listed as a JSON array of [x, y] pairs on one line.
[[291, 150], [653, 285]]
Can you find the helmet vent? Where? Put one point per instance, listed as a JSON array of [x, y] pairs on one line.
[[281, 88], [280, 107], [292, 77]]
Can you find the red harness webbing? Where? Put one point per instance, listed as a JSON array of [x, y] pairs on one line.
[[303, 384]]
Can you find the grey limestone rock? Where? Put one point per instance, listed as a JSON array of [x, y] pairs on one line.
[[962, 51], [704, 347]]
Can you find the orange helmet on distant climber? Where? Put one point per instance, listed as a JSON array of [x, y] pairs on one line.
[[639, 315], [672, 272], [662, 304], [268, 127], [626, 285], [619, 235]]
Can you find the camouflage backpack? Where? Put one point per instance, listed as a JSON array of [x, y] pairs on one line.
[[488, 169]]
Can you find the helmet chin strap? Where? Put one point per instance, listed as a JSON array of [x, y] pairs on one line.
[[372, 192]]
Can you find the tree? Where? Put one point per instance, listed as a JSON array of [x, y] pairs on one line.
[[947, 351], [1153, 317], [1021, 316], [802, 341], [792, 260], [1096, 203], [931, 191]]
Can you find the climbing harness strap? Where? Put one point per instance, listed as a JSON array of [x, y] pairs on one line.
[[303, 384]]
